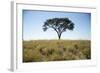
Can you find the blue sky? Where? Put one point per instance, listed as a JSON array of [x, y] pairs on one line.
[[34, 20]]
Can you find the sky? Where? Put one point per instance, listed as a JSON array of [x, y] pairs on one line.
[[33, 21]]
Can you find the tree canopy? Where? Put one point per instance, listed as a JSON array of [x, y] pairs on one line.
[[59, 25]]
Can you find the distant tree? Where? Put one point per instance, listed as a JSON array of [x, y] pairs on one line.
[[59, 25]]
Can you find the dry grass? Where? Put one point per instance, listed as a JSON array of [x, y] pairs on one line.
[[56, 50]]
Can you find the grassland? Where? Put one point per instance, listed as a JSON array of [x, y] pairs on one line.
[[56, 50]]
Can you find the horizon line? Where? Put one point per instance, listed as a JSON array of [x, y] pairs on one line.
[[57, 39]]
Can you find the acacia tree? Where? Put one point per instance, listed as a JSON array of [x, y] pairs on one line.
[[59, 25]]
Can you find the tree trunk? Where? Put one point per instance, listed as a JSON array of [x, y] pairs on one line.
[[59, 36], [58, 33]]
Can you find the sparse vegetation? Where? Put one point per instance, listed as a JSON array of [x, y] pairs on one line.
[[56, 50]]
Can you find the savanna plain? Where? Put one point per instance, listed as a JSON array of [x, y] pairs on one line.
[[56, 50]]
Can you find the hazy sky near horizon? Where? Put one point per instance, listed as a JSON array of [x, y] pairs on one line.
[[34, 20]]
